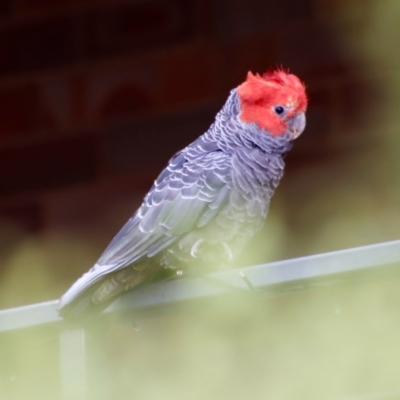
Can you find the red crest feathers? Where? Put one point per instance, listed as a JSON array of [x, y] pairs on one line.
[[259, 94]]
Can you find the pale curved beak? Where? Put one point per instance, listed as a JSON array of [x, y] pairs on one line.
[[297, 124]]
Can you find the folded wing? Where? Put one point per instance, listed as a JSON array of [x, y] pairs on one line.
[[187, 194]]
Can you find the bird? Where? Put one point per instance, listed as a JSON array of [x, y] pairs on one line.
[[211, 198]]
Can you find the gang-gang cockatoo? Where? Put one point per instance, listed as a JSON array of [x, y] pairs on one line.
[[212, 197]]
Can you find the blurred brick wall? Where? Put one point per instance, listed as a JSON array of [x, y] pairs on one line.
[[95, 96]]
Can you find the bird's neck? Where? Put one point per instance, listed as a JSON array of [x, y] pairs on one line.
[[230, 132]]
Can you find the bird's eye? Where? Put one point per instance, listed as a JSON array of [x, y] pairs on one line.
[[279, 110]]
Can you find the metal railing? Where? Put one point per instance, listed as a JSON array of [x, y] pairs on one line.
[[80, 363]]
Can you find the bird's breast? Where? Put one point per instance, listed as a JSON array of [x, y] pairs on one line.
[[256, 174]]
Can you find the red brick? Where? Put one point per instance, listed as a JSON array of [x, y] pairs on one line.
[[40, 5], [139, 26], [124, 101], [239, 18], [311, 49], [21, 111], [360, 101], [257, 54], [320, 114], [5, 6], [56, 99], [78, 99], [37, 45], [148, 145], [192, 72], [115, 93], [48, 165], [33, 5], [29, 217], [295, 9], [205, 18]]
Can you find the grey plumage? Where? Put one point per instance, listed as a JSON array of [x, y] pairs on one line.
[[212, 197]]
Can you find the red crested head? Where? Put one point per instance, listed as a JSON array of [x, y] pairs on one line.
[[274, 101]]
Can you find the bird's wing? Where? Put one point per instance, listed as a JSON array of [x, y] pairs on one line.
[[187, 194]]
